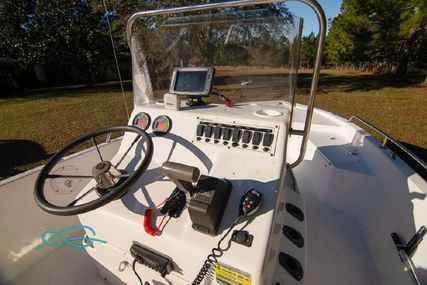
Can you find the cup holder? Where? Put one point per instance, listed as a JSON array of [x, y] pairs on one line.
[[268, 113]]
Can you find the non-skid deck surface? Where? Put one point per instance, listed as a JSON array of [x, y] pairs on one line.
[[66, 265], [337, 253]]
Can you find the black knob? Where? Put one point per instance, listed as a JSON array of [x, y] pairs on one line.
[[241, 237]]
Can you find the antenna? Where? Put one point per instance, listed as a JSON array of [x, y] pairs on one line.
[[115, 58]]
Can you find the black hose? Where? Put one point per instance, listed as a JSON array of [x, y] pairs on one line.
[[133, 268]]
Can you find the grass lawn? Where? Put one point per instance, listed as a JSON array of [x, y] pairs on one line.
[[397, 107], [36, 125]]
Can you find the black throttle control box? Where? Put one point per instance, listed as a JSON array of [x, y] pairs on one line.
[[208, 203]]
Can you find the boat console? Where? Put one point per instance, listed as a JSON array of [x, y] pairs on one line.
[[243, 156], [196, 173]]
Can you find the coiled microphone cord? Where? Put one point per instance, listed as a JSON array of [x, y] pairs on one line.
[[212, 258]]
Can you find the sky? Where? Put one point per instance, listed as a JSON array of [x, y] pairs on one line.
[[331, 7]]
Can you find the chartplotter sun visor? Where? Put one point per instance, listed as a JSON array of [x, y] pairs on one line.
[[192, 81]]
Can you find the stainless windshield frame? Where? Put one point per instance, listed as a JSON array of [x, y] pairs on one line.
[[319, 54]]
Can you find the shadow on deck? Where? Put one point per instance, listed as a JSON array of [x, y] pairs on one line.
[[16, 153]]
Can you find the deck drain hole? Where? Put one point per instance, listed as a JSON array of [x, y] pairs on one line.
[[294, 236], [291, 265], [295, 211]]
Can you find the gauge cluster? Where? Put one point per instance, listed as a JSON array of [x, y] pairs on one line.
[[161, 125]]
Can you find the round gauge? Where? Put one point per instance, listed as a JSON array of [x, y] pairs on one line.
[[161, 125], [142, 120]]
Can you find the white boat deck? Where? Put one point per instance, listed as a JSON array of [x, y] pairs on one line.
[[337, 250], [65, 265]]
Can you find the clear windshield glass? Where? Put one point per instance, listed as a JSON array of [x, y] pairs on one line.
[[254, 52]]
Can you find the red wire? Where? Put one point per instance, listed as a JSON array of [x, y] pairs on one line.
[[161, 222], [147, 219], [167, 199], [164, 201]]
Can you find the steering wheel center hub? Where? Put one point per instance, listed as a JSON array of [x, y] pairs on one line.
[[106, 175], [103, 166]]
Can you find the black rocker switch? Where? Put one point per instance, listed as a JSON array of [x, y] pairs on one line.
[[227, 134], [256, 138], [200, 129], [268, 139], [208, 131], [246, 137], [250, 203], [236, 135], [217, 133]]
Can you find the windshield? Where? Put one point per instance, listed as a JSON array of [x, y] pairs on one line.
[[254, 52]]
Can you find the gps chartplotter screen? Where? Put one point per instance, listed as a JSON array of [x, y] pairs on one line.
[[190, 81]]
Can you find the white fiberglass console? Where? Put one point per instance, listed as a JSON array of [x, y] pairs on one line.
[[247, 157]]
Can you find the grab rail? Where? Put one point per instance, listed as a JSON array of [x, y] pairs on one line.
[[388, 138], [314, 83], [319, 54]]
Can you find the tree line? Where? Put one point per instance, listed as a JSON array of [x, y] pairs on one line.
[[376, 35], [70, 39]]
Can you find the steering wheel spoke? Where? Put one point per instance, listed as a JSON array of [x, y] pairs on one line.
[[54, 176], [124, 175], [97, 149], [127, 151], [81, 197]]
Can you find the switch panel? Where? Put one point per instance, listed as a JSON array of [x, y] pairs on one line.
[[237, 136]]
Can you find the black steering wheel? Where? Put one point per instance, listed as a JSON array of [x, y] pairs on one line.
[[112, 182]]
